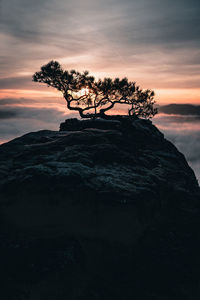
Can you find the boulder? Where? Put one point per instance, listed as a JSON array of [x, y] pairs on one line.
[[114, 205]]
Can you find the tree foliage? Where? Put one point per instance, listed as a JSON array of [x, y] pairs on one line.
[[93, 98]]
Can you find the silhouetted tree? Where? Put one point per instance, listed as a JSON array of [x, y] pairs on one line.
[[94, 98]]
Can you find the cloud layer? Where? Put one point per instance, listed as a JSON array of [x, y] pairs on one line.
[[20, 116], [183, 131], [23, 116]]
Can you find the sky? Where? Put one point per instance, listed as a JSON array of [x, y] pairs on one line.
[[153, 42]]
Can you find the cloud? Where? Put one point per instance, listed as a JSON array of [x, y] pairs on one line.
[[49, 115], [128, 21], [18, 120], [21, 101], [16, 82], [156, 42], [7, 114], [37, 102], [184, 132]]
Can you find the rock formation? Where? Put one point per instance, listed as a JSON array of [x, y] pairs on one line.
[[102, 209]]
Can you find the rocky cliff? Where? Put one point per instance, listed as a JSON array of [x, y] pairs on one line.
[[102, 209]]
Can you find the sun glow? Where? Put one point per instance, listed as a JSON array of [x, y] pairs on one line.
[[84, 91]]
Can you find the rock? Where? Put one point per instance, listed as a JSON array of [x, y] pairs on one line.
[[118, 191], [75, 124]]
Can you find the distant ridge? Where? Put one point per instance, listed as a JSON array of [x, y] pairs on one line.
[[180, 109]]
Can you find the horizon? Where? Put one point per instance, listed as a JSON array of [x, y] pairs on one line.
[[179, 127]]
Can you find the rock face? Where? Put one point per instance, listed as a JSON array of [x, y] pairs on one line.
[[102, 209]]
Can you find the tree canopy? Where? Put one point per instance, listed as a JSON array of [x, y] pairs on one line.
[[93, 98]]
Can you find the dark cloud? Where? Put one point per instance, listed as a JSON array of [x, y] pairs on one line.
[[7, 114], [177, 119], [32, 102], [49, 115], [155, 19], [11, 101], [18, 120], [22, 18], [16, 82], [165, 23]]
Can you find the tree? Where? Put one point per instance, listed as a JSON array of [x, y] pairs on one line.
[[93, 98]]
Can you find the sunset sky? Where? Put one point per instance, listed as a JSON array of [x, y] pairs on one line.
[[153, 42]]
